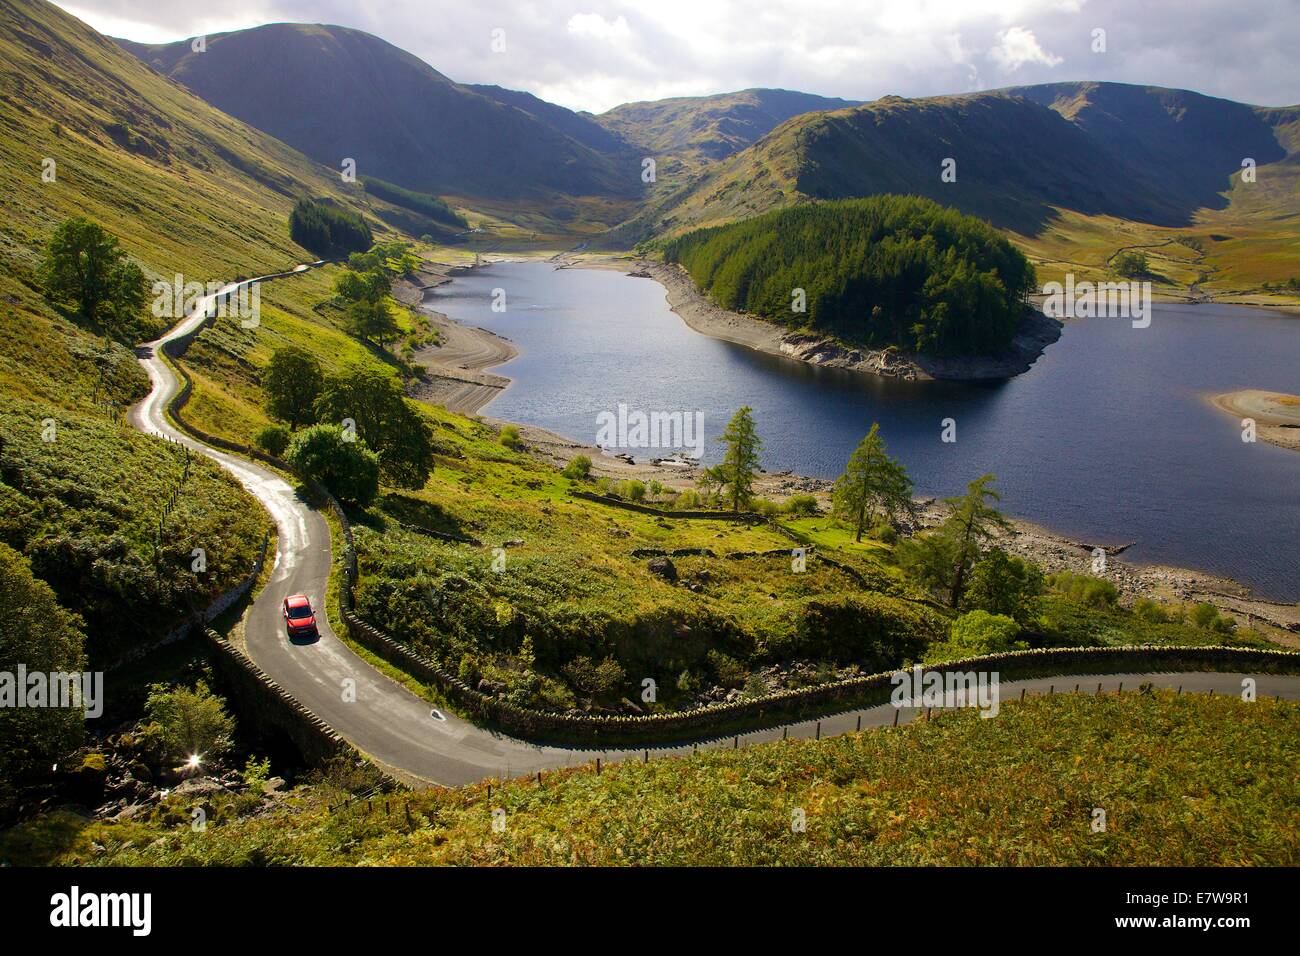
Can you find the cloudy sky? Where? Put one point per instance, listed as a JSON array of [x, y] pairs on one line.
[[595, 54]]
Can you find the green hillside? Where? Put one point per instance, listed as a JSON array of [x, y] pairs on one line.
[[1017, 790], [187, 190]]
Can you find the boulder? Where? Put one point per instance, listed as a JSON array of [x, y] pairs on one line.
[[663, 567]]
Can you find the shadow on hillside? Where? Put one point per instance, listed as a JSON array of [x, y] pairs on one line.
[[1013, 160], [412, 514]]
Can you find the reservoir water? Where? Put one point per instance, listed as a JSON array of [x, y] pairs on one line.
[[1108, 438]]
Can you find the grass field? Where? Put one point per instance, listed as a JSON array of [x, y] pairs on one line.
[[1183, 781]]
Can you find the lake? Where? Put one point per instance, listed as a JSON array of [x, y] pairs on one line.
[[1108, 438]]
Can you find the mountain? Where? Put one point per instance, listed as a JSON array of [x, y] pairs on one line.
[[581, 127], [699, 129], [1145, 126], [1142, 154], [337, 93]]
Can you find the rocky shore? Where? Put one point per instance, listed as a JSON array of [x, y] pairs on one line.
[[455, 371], [1037, 331]]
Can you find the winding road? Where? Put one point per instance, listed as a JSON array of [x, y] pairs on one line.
[[399, 730]]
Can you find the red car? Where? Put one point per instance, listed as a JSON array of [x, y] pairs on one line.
[[299, 618]]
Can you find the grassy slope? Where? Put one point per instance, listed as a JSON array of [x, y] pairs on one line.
[[1068, 214], [187, 190], [1184, 781], [86, 509]]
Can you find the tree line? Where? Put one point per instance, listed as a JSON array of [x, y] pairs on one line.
[[885, 270], [426, 204], [327, 230]]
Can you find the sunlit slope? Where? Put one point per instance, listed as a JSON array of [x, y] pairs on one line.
[[1016, 790], [701, 129], [87, 130]]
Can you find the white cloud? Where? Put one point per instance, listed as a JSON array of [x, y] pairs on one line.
[[595, 54], [1016, 47], [595, 25], [143, 29]]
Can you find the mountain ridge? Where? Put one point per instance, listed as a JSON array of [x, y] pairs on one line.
[[1074, 171], [397, 116], [707, 128]]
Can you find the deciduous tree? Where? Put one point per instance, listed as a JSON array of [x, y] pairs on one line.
[[373, 399], [348, 469], [85, 271], [292, 383]]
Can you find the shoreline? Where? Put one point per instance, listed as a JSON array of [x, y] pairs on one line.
[[468, 386], [1050, 550], [1036, 332], [455, 372], [1276, 414]]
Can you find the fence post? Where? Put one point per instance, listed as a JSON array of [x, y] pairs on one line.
[[819, 730]]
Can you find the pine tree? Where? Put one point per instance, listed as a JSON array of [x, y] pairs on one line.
[[971, 523], [943, 558], [872, 484], [736, 473]]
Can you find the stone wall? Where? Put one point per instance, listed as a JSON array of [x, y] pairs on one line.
[[662, 513], [263, 703]]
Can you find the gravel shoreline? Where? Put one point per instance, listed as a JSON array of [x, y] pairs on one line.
[[455, 371], [1276, 414]]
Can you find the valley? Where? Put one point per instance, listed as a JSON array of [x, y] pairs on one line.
[[903, 464]]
